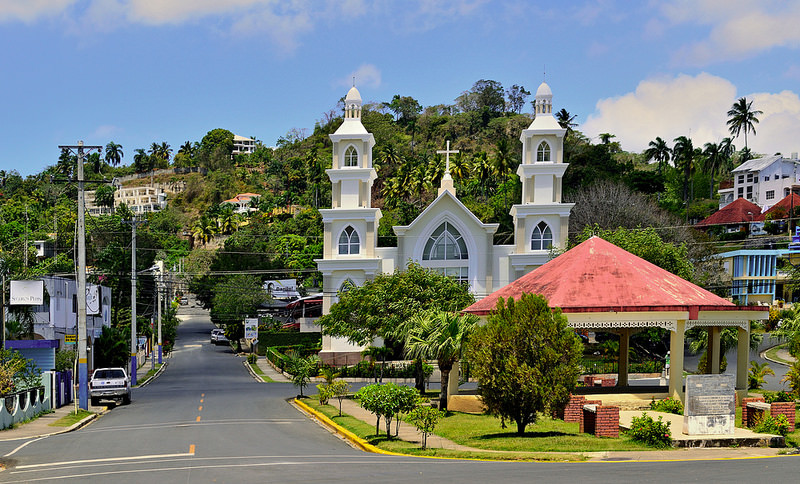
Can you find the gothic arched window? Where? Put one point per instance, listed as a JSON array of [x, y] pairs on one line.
[[347, 285], [542, 237], [348, 241], [351, 157], [543, 152], [445, 243]]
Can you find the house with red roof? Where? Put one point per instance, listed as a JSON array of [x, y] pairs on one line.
[[734, 217]]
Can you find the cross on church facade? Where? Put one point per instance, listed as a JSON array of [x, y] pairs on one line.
[[447, 152]]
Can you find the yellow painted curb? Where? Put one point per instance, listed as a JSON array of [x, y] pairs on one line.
[[350, 436]]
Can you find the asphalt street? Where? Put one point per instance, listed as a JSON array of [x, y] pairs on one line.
[[206, 420]]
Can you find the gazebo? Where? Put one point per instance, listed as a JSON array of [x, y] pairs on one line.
[[601, 287]]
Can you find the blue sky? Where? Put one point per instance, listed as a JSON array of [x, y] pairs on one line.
[[143, 71]]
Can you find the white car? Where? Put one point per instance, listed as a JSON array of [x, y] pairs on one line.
[[110, 384], [218, 336]]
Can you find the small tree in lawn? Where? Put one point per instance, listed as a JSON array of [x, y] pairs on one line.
[[526, 360], [425, 419], [369, 399], [339, 389], [302, 369]]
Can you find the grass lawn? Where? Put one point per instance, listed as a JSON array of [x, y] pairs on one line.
[[484, 433], [772, 354], [258, 371], [546, 435], [68, 420]]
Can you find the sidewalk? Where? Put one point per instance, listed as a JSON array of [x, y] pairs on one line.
[[270, 371], [40, 427]]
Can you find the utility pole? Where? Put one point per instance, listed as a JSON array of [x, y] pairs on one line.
[[134, 341], [159, 289], [83, 369]]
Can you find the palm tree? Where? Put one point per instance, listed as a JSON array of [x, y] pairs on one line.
[[683, 155], [439, 335], [481, 169], [714, 161], [459, 168], [66, 163], [204, 229], [141, 161], [605, 138], [727, 150], [566, 120], [757, 375], [114, 153], [389, 159], [503, 163], [658, 151], [742, 117]]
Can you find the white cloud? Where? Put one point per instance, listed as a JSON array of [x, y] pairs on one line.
[[367, 75], [696, 107], [31, 10], [739, 28]]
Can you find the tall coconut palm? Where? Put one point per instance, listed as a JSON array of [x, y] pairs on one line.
[[727, 150], [114, 153], [439, 335], [566, 120], [713, 163], [503, 164], [187, 149], [459, 168], [481, 169], [659, 151], [141, 161], [683, 155], [742, 117]]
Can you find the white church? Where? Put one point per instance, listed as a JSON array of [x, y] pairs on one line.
[[446, 236]]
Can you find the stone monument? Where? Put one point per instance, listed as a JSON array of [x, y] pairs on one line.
[[710, 405]]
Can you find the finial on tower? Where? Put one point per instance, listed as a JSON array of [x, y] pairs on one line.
[[354, 81]]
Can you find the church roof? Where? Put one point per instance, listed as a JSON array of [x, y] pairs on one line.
[[598, 276], [739, 211], [782, 208]]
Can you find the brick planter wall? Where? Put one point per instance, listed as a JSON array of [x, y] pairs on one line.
[[747, 415], [784, 408], [609, 382], [602, 423], [572, 412]]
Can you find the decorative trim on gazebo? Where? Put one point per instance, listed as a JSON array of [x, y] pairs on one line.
[[622, 324], [695, 323]]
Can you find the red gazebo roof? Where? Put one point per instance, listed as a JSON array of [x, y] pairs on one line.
[[598, 276]]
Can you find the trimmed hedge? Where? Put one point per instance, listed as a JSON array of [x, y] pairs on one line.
[[267, 339]]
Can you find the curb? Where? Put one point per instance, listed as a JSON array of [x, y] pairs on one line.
[[355, 440], [253, 373], [156, 375], [77, 425], [763, 355]]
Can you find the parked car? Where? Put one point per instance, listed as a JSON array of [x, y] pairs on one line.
[[184, 301], [110, 384], [218, 336]]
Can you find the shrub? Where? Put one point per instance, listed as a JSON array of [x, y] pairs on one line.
[[792, 377], [324, 393], [668, 405], [772, 425], [655, 433], [65, 360], [252, 358], [780, 396]]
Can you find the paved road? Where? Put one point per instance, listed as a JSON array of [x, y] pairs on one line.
[[206, 420]]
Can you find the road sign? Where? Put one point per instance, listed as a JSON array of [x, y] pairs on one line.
[[70, 339], [251, 328]]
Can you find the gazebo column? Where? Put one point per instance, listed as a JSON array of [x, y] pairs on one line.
[[713, 350], [624, 351], [676, 341], [742, 354]]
